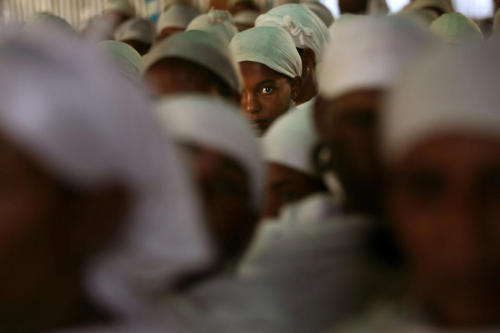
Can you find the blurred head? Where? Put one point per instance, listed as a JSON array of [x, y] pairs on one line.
[[216, 22], [118, 11], [271, 76], [456, 28], [355, 75], [439, 7], [174, 19], [138, 33], [353, 6], [224, 157], [443, 154]]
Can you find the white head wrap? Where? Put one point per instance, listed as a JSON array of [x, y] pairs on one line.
[[203, 49], [422, 16], [456, 28], [176, 16], [123, 6], [445, 5], [449, 90], [377, 7], [125, 57], [291, 139], [255, 45], [215, 124], [139, 29], [306, 28], [321, 11], [217, 22], [368, 52], [86, 125], [246, 17], [43, 18]]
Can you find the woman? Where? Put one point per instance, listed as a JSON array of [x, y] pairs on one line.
[[216, 22], [138, 33], [174, 19]]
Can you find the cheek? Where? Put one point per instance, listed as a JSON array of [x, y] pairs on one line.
[[277, 104]]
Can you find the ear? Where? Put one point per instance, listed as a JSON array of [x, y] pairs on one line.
[[295, 85], [308, 61]]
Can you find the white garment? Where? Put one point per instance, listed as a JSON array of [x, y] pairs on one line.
[[126, 59], [176, 16]]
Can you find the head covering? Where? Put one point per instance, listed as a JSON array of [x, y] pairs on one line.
[[217, 22], [42, 18], [321, 11], [454, 89], [201, 48], [422, 16], [445, 5], [456, 28], [126, 58], [368, 52], [215, 124], [176, 16], [246, 17], [123, 6], [290, 141], [254, 45], [306, 29], [139, 29], [85, 125], [377, 7]]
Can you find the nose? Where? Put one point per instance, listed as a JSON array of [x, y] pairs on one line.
[[250, 103]]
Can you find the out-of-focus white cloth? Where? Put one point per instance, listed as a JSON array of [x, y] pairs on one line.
[[43, 18], [450, 90], [139, 29], [217, 22], [368, 52], [123, 6], [176, 15], [215, 124], [291, 140], [199, 47], [246, 17], [321, 11], [444, 5], [124, 57], [255, 45], [78, 118], [456, 28], [306, 28], [377, 7]]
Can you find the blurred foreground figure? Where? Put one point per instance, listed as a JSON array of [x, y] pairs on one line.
[[441, 143], [97, 212], [138, 33], [174, 19], [271, 75], [118, 11]]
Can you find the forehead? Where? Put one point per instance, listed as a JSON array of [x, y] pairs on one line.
[[254, 73]]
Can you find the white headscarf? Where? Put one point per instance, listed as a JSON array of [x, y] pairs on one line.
[[291, 140], [217, 22], [203, 49], [86, 125], [445, 5], [246, 17], [176, 15], [496, 23], [270, 46], [449, 90], [321, 11], [215, 124], [126, 58], [43, 18], [456, 28], [306, 28], [368, 52], [123, 6], [139, 29]]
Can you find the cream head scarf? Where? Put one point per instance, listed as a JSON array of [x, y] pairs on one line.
[[456, 28], [124, 57], [450, 90], [368, 52], [321, 11], [306, 28], [217, 22], [176, 16], [201, 48], [215, 124], [270, 46], [445, 5], [123, 6], [87, 126], [139, 29]]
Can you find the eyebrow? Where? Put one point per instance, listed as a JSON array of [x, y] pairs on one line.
[[266, 82]]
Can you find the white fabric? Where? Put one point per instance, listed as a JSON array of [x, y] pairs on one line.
[[203, 49], [456, 28], [291, 140], [270, 46], [246, 17], [321, 11], [176, 16], [422, 16], [377, 7], [139, 29], [123, 6], [87, 126], [445, 5], [215, 124], [48, 18], [449, 90], [368, 52], [306, 28], [124, 57], [217, 22]]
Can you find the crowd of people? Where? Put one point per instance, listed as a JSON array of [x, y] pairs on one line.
[[259, 168]]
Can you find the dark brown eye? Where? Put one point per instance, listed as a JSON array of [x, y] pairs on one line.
[[267, 90]]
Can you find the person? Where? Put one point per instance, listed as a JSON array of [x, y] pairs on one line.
[[217, 22], [174, 19], [288, 148], [95, 192], [118, 11], [321, 11], [127, 60], [227, 167], [439, 7], [138, 33], [456, 28], [310, 37], [42, 18], [271, 75], [441, 145], [357, 71], [192, 61], [245, 19]]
